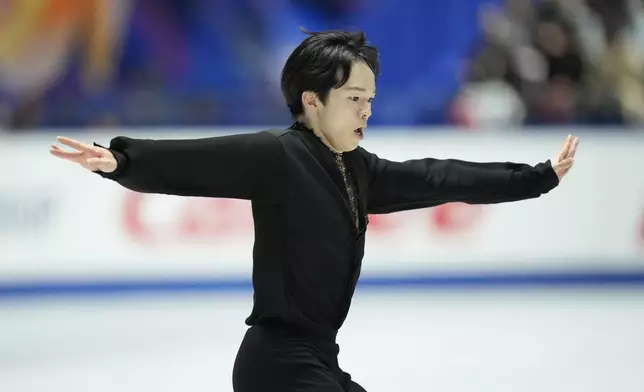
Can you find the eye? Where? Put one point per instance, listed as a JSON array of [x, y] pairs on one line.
[[355, 99], [371, 100]]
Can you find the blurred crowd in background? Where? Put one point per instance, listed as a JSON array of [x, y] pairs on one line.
[[484, 64]]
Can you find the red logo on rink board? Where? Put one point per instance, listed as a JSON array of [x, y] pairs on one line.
[[166, 219], [190, 218], [455, 217], [451, 218], [382, 223]]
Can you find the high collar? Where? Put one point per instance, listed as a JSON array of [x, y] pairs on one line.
[[299, 126]]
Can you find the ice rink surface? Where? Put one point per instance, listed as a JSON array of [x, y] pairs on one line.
[[464, 341]]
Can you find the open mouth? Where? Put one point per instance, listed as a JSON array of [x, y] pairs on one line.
[[359, 132]]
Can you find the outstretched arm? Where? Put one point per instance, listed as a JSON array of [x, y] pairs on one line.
[[242, 166], [398, 186]]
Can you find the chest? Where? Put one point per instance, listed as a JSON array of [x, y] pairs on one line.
[[330, 193]]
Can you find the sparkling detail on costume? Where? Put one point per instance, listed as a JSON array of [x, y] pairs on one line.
[[352, 198]]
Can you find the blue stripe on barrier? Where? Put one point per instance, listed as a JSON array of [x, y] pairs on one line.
[[419, 281]]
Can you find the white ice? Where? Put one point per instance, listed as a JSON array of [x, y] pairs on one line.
[[392, 341]]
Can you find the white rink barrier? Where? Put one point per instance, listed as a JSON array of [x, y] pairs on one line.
[[58, 221]]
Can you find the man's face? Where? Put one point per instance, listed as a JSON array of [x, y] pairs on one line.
[[344, 117]]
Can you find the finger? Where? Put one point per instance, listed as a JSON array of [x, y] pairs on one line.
[[573, 149], [76, 144], [67, 153], [55, 147], [565, 164], [566, 147], [70, 156], [570, 149]]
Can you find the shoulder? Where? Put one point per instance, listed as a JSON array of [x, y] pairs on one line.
[[276, 133], [368, 157]]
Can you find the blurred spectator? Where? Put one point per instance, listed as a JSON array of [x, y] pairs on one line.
[[38, 43], [556, 100], [568, 61], [100, 63], [502, 71], [623, 64], [487, 99]]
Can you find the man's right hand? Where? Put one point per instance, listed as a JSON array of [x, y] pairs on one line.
[[90, 157]]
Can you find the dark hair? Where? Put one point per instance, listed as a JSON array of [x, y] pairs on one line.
[[323, 61]]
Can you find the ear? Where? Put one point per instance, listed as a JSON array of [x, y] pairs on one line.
[[309, 99]]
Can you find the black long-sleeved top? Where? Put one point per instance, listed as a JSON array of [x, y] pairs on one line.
[[308, 251]]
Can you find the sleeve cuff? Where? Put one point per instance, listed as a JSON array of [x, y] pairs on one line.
[[549, 178]]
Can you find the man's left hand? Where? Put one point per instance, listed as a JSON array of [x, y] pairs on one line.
[[562, 163]]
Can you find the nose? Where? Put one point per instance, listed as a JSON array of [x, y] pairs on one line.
[[365, 112]]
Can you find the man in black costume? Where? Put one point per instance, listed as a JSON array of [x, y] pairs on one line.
[[311, 188]]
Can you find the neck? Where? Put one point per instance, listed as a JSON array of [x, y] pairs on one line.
[[317, 132]]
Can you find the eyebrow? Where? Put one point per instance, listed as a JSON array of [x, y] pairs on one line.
[[353, 88]]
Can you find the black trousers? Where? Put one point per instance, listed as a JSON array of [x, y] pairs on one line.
[[278, 359]]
